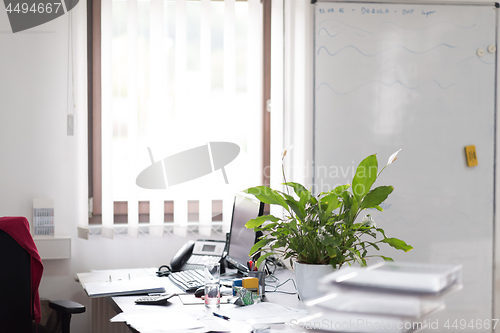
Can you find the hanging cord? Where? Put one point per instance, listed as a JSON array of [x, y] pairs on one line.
[[70, 89]]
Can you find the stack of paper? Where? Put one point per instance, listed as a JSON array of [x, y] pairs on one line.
[[394, 297]]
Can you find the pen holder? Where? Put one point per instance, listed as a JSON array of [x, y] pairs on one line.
[[262, 281]]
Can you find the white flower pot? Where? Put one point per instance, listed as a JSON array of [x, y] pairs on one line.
[[307, 276]]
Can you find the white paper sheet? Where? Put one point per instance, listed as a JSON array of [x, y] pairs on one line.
[[159, 320], [264, 312]]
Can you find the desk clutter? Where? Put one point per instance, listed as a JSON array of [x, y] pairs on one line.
[[196, 319], [387, 297]]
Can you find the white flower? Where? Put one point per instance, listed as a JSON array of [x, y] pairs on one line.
[[393, 157], [285, 151], [368, 221], [321, 233]]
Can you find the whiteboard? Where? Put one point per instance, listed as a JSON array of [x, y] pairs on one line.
[[391, 76]]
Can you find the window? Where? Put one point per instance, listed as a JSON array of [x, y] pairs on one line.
[[169, 76]]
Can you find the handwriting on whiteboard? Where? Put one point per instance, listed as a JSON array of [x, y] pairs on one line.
[[370, 10]]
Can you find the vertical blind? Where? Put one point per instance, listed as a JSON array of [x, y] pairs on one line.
[[177, 75]]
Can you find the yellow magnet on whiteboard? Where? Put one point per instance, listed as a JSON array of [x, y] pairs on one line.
[[470, 154]]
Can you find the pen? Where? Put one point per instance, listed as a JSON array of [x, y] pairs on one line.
[[250, 265], [221, 316]]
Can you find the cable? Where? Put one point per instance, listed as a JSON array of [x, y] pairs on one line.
[[281, 284], [270, 265], [163, 271], [70, 90]]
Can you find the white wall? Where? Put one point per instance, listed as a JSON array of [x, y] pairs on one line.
[[38, 159]]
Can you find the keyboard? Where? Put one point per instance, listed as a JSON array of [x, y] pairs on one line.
[[199, 261], [203, 259], [189, 280]]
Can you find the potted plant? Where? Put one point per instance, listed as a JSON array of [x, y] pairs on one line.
[[323, 229]]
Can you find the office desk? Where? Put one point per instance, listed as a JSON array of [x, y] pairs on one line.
[[176, 310], [124, 304]]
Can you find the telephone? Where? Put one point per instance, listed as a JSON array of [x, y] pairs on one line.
[[194, 255], [182, 256]]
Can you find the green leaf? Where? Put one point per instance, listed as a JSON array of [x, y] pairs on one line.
[[339, 189], [354, 254], [381, 231], [258, 221], [346, 199], [267, 195], [397, 244], [269, 226], [366, 174], [333, 262], [331, 201], [298, 188], [332, 253], [259, 245], [298, 209], [330, 241], [278, 244], [380, 209], [354, 209], [262, 258], [376, 196], [383, 257]]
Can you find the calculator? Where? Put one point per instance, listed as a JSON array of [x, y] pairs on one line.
[[157, 299]]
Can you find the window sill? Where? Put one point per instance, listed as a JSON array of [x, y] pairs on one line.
[[150, 230]]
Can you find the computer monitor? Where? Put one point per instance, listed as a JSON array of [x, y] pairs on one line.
[[241, 239]]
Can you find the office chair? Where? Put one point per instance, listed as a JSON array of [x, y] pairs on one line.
[[18, 295]]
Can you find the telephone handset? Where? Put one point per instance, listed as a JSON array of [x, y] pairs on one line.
[[182, 256], [193, 255]]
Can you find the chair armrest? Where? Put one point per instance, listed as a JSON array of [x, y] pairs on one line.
[[67, 307]]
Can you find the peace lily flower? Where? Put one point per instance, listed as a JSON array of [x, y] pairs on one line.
[[284, 152], [391, 160], [368, 221], [393, 157]]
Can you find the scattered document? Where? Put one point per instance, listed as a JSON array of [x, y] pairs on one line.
[[264, 312], [159, 320]]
